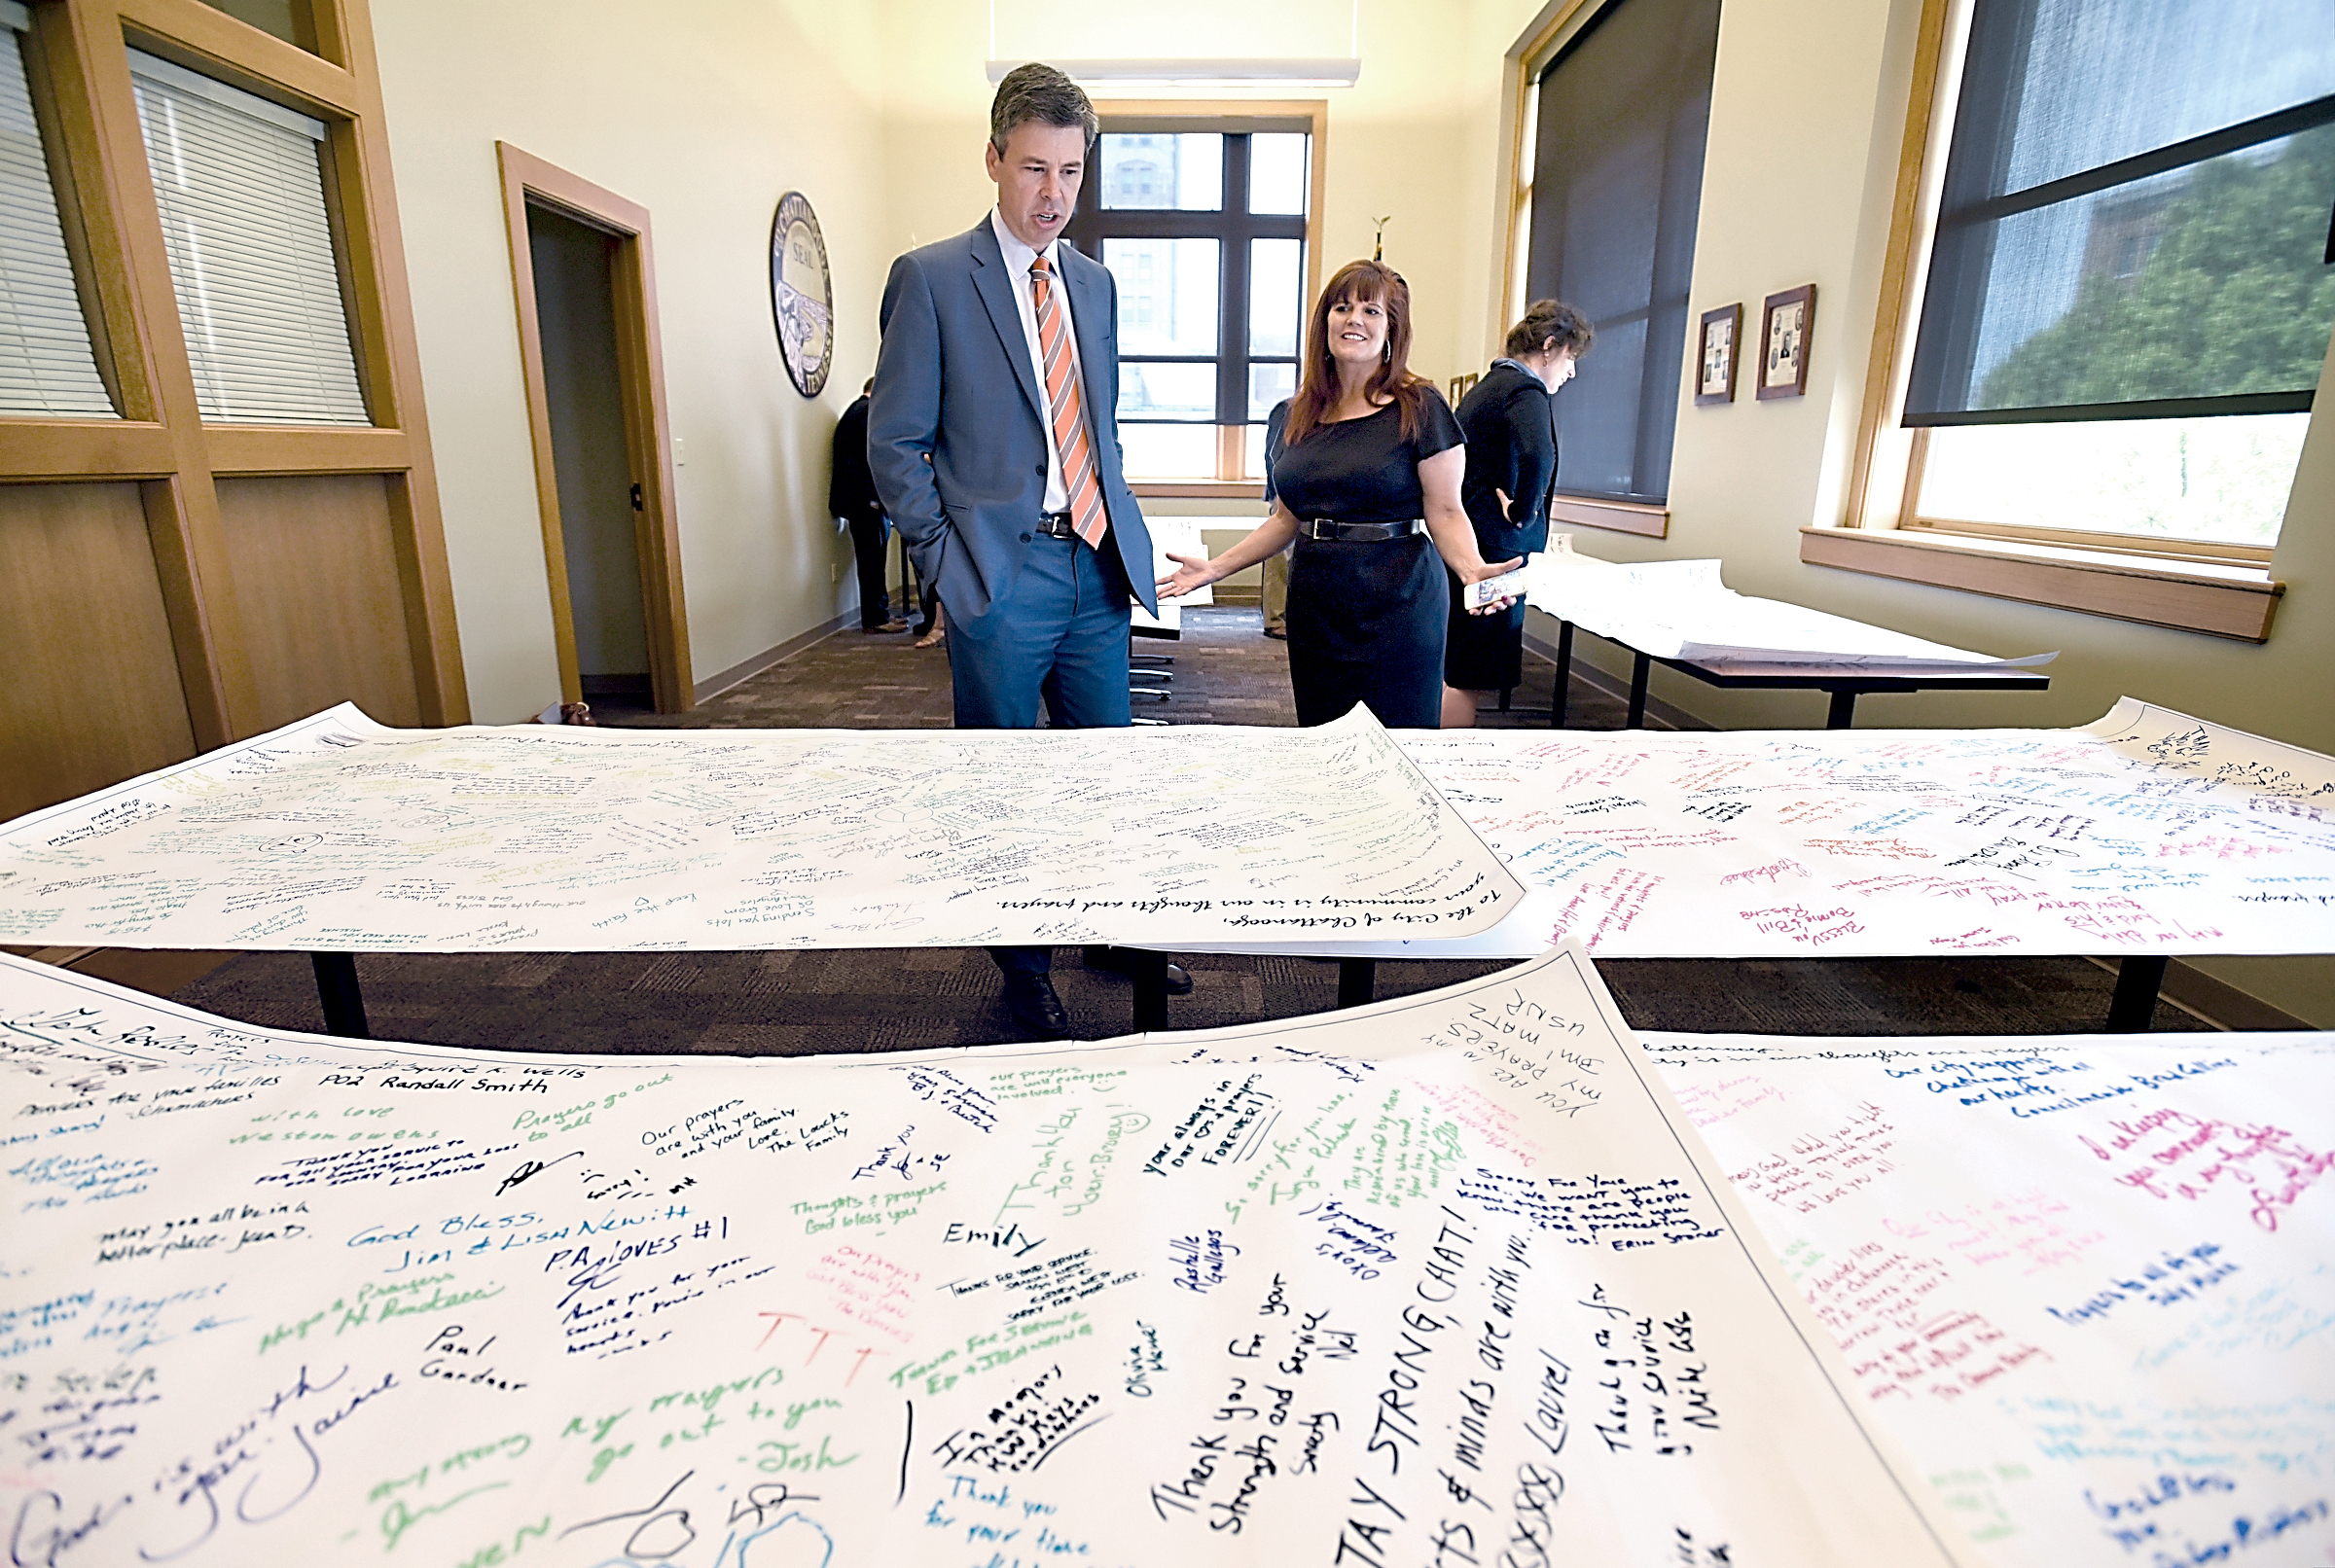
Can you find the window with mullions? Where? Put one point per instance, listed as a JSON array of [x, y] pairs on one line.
[[240, 186], [1204, 234], [47, 365], [2128, 295]]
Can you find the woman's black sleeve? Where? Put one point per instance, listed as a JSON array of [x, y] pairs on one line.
[[1438, 427]]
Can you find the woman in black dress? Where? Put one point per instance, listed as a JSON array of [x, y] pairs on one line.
[[1511, 430], [1365, 464]]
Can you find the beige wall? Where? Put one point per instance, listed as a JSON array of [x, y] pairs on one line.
[[705, 114], [1748, 475], [1411, 139], [1415, 139], [1796, 189]]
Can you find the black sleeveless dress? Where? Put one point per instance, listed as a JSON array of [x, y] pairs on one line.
[[1366, 620]]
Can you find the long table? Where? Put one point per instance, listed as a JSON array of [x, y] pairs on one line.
[[2143, 836], [337, 836], [1681, 614], [1473, 1269], [1844, 683]]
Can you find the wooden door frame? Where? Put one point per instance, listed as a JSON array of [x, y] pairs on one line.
[[640, 373]]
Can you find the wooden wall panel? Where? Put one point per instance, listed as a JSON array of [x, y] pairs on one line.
[[317, 585], [92, 692]]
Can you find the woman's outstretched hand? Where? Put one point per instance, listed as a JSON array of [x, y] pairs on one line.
[[1190, 572], [1476, 575]]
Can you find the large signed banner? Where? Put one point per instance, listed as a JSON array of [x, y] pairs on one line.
[[2146, 830], [2090, 1283], [338, 834], [1441, 1281]]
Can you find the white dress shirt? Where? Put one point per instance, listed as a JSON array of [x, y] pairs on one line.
[[1018, 260]]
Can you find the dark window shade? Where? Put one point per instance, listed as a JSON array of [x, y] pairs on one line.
[[2134, 215], [1616, 175]]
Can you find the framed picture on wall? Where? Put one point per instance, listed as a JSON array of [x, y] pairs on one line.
[[1783, 331], [1461, 383], [1714, 376]]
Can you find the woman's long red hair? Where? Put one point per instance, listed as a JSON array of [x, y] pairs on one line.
[[1318, 389]]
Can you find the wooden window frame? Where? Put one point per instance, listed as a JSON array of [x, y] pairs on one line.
[[2223, 591], [1173, 115], [78, 60]]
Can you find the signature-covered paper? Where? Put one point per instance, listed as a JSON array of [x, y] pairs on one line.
[[338, 834], [2145, 832], [1444, 1280], [2088, 1283]]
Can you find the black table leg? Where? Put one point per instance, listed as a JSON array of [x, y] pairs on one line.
[[1637, 691], [1842, 711], [2135, 1004], [1357, 981], [337, 989], [1564, 674], [1150, 975]]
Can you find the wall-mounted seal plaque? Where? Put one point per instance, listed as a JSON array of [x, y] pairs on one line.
[[801, 298]]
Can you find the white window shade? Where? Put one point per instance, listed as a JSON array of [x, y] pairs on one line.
[[251, 251], [45, 367]]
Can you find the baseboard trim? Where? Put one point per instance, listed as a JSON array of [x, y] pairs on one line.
[[1660, 715], [746, 669]]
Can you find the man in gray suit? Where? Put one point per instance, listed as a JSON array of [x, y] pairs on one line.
[[994, 444]]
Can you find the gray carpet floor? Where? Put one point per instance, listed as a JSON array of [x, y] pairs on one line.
[[1226, 671]]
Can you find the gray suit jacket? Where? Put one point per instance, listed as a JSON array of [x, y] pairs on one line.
[[956, 431]]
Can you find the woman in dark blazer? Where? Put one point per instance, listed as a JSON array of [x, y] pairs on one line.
[[1511, 430]]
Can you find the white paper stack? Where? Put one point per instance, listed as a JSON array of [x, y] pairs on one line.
[[1682, 610]]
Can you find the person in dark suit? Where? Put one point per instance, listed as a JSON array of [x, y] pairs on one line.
[[851, 496], [1509, 418], [993, 440]]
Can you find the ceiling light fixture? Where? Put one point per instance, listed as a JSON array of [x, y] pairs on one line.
[[1218, 73]]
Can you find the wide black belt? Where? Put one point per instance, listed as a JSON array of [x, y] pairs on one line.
[[1056, 524], [1357, 533]]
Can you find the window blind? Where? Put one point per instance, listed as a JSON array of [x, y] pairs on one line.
[[1617, 177], [46, 366], [250, 242], [2135, 217]]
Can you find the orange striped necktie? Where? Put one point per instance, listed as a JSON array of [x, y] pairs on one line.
[[1070, 441]]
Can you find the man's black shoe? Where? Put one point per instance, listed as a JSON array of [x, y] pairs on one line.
[[1030, 1002], [1122, 961]]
